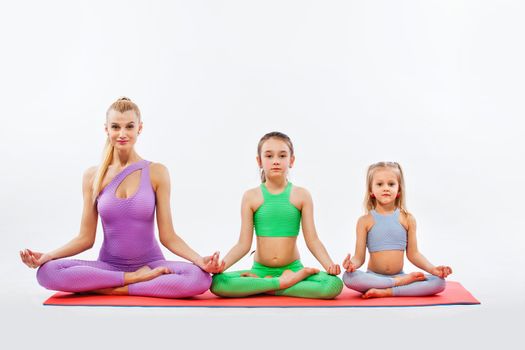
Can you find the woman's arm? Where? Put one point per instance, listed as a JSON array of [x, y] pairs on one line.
[[246, 236], [418, 259], [362, 227], [311, 238], [160, 179], [86, 236]]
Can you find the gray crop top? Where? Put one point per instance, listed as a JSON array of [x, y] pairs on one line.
[[387, 233]]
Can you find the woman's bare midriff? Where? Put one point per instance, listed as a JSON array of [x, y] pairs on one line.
[[276, 251], [387, 262]]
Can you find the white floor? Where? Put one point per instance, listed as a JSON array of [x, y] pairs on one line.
[[29, 324]]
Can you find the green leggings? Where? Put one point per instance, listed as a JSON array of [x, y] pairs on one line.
[[318, 286]]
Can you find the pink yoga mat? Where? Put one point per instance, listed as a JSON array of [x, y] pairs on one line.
[[454, 294]]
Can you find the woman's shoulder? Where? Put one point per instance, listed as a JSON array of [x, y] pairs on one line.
[[158, 174], [89, 175], [91, 171], [157, 167]]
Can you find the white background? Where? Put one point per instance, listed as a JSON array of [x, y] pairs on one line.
[[435, 85]]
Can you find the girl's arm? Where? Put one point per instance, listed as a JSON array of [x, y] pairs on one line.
[[246, 236], [362, 227], [161, 183], [85, 238], [418, 259], [311, 238]]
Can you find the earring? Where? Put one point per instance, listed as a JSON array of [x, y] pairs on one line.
[[372, 195]]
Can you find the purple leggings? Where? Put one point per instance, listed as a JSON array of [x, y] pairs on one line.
[[71, 275]]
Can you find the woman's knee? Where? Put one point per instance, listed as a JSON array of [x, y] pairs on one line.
[[46, 275], [200, 281]]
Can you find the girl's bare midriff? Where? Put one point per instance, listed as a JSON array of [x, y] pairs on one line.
[[387, 262], [276, 251]]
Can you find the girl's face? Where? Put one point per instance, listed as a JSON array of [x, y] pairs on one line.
[[123, 129], [275, 158], [385, 186]]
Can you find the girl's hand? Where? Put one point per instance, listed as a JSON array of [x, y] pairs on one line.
[[33, 259], [334, 269], [348, 265], [211, 263], [441, 271]]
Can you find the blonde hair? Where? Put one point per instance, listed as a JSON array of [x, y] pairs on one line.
[[370, 202], [273, 135], [121, 105]]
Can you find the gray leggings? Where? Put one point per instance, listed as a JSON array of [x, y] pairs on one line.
[[363, 281]]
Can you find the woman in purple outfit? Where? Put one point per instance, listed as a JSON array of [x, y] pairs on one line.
[[125, 191]]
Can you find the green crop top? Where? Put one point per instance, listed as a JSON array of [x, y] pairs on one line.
[[277, 217]]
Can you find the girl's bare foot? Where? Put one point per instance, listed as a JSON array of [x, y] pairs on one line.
[[289, 278], [144, 274], [377, 293], [248, 274], [409, 278]]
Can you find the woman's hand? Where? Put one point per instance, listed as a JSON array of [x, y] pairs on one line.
[[441, 271], [334, 269], [211, 264], [348, 265], [33, 259]]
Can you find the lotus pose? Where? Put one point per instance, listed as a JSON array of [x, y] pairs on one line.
[[276, 209], [126, 191], [388, 229]]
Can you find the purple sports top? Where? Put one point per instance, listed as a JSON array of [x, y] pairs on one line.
[[128, 223]]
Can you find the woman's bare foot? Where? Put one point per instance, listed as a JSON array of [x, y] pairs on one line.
[[289, 278], [377, 293], [112, 291], [144, 274], [409, 278]]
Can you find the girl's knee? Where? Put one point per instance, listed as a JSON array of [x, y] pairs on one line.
[[331, 288], [438, 284], [349, 279], [217, 283]]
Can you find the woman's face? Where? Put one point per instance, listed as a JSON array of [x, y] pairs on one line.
[[122, 129]]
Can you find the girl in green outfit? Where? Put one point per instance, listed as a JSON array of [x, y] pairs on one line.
[[276, 209]]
